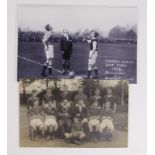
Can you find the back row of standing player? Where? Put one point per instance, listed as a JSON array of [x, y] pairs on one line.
[[73, 120]]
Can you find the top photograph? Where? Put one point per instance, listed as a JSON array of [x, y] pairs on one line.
[[81, 42]]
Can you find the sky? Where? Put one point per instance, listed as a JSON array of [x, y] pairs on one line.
[[75, 18]]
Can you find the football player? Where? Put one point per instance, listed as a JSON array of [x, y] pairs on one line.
[[77, 134], [36, 124], [49, 49], [80, 112], [111, 98], [32, 98], [93, 54], [66, 48], [50, 124], [48, 96], [64, 117], [106, 128], [97, 97], [80, 96], [94, 121]]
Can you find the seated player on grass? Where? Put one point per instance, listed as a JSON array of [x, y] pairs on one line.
[[76, 135], [94, 121], [36, 124], [50, 124], [106, 128]]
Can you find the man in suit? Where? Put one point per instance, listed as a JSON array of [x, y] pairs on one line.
[[66, 48]]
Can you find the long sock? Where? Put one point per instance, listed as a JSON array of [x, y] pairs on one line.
[[96, 72], [89, 73], [50, 71], [44, 69], [68, 66]]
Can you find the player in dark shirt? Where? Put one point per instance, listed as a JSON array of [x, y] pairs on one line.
[[36, 124], [77, 134], [31, 99], [94, 120], [97, 97], [48, 96], [80, 96], [50, 124], [106, 127], [93, 54], [64, 117], [80, 112]]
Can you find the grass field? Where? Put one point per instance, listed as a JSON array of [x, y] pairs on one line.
[[120, 137], [79, 59]]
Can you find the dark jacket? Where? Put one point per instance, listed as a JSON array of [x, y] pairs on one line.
[[80, 113], [66, 45]]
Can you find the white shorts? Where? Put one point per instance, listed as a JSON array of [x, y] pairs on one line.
[[92, 57], [36, 122], [93, 123], [51, 121], [50, 52], [106, 123]]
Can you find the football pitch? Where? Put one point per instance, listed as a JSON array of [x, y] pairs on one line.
[[119, 139], [79, 59]]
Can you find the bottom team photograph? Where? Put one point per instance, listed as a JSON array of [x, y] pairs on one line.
[[84, 113]]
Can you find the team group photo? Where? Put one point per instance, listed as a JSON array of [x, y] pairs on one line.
[[77, 42], [73, 113]]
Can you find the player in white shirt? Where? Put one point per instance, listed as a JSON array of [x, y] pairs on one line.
[[48, 49]]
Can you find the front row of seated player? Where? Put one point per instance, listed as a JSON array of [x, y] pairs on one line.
[[75, 124]]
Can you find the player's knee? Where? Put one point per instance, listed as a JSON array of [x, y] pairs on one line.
[[50, 128], [82, 136], [55, 127]]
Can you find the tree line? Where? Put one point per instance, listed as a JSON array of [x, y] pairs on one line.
[[117, 34], [120, 90]]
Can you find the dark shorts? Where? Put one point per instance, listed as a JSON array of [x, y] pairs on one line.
[[66, 55]]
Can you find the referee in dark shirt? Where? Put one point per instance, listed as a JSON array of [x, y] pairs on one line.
[[66, 48]]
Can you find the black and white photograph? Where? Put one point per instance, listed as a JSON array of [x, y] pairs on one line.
[[73, 113], [81, 42]]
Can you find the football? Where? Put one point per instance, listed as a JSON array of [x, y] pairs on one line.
[[71, 74]]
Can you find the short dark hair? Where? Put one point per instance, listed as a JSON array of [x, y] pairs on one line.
[[47, 27], [95, 32]]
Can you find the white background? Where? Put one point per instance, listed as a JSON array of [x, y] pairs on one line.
[[137, 100]]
